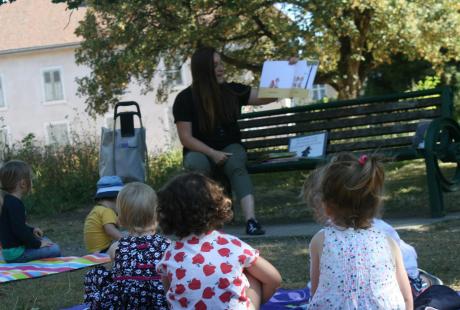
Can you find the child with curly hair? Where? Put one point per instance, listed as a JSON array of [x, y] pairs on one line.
[[206, 268], [354, 265], [133, 282]]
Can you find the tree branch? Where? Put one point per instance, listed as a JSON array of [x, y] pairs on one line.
[[262, 27], [238, 63]]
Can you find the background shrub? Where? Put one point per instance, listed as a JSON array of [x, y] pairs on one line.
[[163, 166], [65, 176]]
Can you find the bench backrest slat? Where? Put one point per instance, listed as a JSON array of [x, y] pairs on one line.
[[327, 113], [362, 124], [302, 127], [372, 144], [372, 131]]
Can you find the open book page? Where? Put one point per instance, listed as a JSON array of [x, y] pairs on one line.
[[309, 146], [276, 79], [279, 79], [312, 67]]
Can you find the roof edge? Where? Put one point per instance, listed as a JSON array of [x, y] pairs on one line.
[[39, 48]]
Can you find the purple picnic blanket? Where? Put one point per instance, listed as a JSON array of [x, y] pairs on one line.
[[288, 299], [282, 299]]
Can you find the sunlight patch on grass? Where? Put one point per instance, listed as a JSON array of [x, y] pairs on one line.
[[277, 201], [408, 190]]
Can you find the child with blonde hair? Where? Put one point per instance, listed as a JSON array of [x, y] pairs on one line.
[[20, 242], [133, 282], [354, 265], [206, 268]]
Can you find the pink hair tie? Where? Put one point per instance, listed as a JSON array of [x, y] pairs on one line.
[[362, 160]]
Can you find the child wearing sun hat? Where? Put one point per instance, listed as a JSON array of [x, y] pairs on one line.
[[101, 224]]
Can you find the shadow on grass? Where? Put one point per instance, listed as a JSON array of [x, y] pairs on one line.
[[277, 202], [437, 248], [406, 194]]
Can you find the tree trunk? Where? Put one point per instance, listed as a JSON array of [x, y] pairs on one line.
[[354, 60], [349, 83], [349, 88]]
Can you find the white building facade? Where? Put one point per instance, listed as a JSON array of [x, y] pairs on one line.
[[38, 92]]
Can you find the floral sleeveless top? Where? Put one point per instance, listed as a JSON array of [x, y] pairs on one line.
[[357, 271]]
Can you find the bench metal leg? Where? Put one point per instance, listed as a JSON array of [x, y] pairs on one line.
[[442, 142], [434, 188]]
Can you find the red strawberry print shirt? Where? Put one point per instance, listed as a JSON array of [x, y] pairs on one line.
[[206, 272]]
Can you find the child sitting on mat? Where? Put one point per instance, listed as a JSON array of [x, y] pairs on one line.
[[353, 264], [101, 227], [20, 242], [132, 283], [205, 268], [312, 196]]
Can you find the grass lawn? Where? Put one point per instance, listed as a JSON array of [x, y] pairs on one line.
[[277, 201]]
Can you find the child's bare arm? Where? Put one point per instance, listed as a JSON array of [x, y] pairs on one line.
[[268, 276], [112, 249], [401, 275], [112, 231], [166, 283], [316, 249]]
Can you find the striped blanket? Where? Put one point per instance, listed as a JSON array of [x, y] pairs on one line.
[[44, 267]]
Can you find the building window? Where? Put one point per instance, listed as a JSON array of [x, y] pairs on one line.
[[173, 74], [53, 85], [109, 122], [2, 94], [3, 138], [4, 142], [319, 91], [58, 133]]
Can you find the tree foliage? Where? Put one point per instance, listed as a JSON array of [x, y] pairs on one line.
[[125, 40]]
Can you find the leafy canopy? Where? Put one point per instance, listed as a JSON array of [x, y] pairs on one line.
[[126, 40]]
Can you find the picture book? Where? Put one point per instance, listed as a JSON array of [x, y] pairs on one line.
[[309, 146], [279, 79]]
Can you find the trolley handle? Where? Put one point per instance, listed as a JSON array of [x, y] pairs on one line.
[[126, 104]]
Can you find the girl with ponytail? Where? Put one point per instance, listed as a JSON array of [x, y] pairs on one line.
[[354, 265]]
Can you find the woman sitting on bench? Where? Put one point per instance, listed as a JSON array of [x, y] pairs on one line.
[[206, 115]]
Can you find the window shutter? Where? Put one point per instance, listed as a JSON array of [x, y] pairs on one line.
[[57, 76], [47, 77], [2, 99], [53, 86]]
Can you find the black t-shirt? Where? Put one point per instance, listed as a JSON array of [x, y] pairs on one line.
[[14, 231], [224, 133]]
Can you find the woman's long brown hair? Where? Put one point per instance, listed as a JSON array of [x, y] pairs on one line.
[[214, 102]]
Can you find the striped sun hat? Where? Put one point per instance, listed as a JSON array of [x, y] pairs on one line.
[[108, 187]]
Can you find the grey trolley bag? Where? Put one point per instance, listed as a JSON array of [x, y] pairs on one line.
[[123, 150]]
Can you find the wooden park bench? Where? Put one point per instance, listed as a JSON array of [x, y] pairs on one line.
[[386, 125]]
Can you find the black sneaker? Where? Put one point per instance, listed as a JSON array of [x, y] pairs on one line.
[[253, 228]]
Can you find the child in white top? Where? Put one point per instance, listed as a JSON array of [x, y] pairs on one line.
[[205, 268], [353, 264]]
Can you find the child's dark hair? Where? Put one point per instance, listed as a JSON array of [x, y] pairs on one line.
[[11, 173], [349, 187], [192, 203]]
